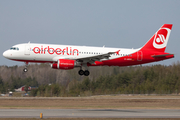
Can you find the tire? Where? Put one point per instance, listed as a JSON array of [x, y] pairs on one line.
[[86, 73], [81, 72], [25, 70]]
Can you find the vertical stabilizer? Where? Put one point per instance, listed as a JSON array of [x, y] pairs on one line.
[[159, 40]]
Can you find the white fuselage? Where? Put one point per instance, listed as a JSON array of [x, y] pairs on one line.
[[51, 53]]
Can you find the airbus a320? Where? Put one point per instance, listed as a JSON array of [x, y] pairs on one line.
[[67, 57]]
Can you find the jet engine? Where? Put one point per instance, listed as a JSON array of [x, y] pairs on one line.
[[64, 64]]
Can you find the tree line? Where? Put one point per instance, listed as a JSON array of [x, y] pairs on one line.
[[154, 79]]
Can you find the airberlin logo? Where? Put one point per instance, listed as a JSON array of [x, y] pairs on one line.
[[58, 51], [161, 38]]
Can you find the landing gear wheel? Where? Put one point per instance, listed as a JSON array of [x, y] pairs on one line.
[[25, 69], [81, 72], [86, 72]]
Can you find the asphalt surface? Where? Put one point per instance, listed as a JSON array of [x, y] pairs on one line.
[[90, 113]]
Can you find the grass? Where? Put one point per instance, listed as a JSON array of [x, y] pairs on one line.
[[96, 102], [103, 102]]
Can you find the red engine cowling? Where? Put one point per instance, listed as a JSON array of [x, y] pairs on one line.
[[64, 64]]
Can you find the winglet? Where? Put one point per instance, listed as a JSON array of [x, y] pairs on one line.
[[117, 52]]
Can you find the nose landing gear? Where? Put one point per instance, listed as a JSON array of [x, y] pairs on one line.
[[25, 69]]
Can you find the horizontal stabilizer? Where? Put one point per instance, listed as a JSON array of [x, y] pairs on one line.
[[163, 55]]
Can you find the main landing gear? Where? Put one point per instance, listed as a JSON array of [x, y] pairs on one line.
[[82, 72], [25, 69], [86, 72]]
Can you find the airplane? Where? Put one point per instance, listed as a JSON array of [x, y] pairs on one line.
[[67, 57]]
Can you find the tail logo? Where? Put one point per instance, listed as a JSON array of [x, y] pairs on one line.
[[161, 38]]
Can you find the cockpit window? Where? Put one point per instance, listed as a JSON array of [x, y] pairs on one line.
[[14, 48]]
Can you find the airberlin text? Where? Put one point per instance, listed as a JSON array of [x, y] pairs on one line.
[[58, 51]]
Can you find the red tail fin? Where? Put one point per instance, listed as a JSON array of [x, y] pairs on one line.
[[159, 40]]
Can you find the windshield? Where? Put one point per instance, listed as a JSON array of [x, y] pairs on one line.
[[14, 48]]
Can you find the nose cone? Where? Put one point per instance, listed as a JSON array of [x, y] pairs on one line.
[[5, 54]]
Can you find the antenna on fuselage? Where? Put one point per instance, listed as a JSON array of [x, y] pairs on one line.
[[103, 46], [29, 42]]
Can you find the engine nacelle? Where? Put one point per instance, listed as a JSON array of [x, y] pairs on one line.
[[64, 64]]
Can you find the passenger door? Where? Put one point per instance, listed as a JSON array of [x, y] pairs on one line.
[[27, 50]]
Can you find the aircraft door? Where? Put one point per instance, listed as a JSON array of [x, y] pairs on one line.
[[139, 56], [27, 50]]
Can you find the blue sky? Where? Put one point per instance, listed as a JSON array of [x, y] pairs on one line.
[[113, 23]]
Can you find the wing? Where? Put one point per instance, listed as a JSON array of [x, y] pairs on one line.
[[89, 58], [92, 59]]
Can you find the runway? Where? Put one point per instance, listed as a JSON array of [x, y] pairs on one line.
[[90, 113]]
